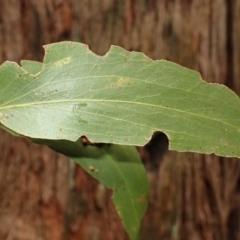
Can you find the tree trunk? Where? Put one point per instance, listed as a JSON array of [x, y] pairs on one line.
[[193, 197]]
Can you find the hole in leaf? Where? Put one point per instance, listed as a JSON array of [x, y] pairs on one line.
[[87, 142], [153, 152]]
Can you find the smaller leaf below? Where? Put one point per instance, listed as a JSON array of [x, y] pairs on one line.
[[118, 168], [32, 67]]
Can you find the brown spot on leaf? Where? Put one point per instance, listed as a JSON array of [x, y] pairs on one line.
[[142, 199], [91, 168]]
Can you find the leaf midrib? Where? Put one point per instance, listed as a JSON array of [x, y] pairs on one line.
[[128, 190], [114, 101]]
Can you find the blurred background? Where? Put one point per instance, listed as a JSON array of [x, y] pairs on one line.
[[44, 196]]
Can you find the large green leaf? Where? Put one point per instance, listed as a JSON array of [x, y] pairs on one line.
[[119, 98], [116, 167], [122, 98]]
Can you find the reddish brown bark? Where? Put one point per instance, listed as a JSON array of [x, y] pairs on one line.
[[44, 196]]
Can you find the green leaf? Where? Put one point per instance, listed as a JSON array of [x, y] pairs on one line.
[[118, 168], [122, 98], [32, 67]]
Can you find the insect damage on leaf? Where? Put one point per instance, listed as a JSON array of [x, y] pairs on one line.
[[87, 142], [153, 152]]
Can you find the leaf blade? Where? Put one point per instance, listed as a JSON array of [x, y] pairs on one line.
[[32, 67], [120, 98], [116, 167]]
